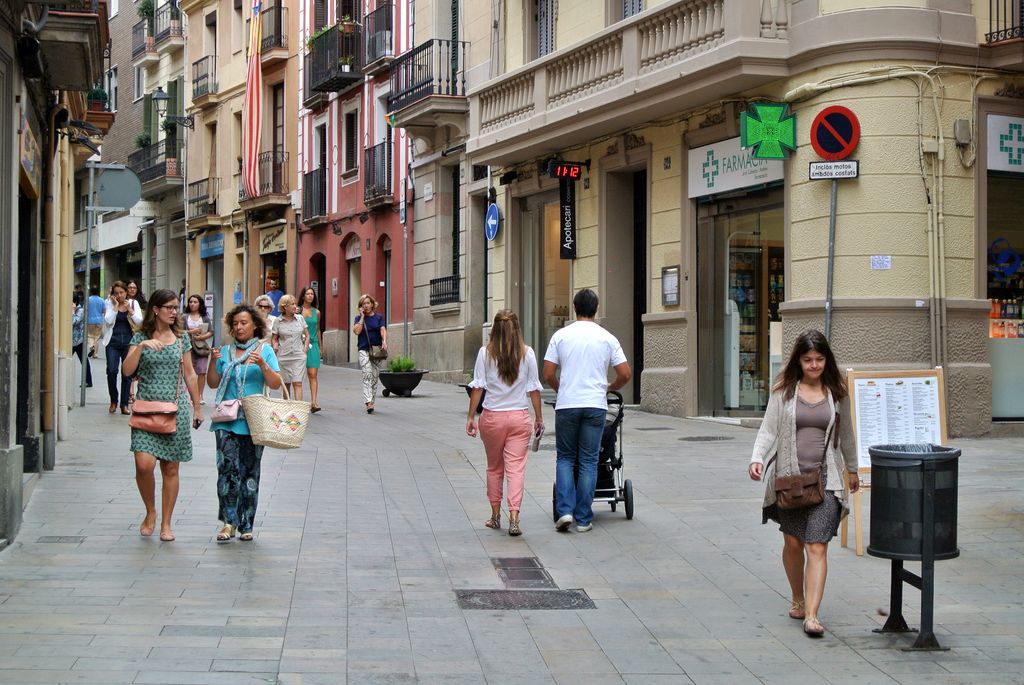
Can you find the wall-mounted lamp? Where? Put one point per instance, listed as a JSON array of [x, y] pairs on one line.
[[160, 100]]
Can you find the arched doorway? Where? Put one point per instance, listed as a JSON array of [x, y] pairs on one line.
[[353, 262], [384, 270]]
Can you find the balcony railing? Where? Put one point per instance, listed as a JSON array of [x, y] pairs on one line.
[[167, 23], [157, 160], [90, 6], [275, 28], [272, 168], [436, 67], [335, 59], [1005, 20], [444, 290], [314, 194], [377, 28], [377, 188], [202, 198], [204, 76], [139, 34]]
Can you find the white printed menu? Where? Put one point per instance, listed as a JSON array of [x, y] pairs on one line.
[[897, 409]]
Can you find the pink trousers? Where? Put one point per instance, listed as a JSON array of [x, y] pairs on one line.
[[506, 437]]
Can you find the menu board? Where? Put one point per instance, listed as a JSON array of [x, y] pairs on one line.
[[893, 407]]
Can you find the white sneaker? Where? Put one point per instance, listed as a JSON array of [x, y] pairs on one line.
[[563, 523], [584, 529]]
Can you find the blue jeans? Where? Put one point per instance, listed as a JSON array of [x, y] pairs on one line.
[[577, 440], [115, 356]]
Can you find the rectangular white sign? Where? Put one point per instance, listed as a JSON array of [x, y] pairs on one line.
[[881, 262], [1005, 143], [724, 166], [847, 168]]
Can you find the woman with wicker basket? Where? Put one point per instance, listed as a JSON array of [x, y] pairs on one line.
[[238, 369]]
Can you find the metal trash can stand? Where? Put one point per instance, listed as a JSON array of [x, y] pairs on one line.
[[913, 518]]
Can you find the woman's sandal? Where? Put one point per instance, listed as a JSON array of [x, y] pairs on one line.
[[226, 533], [513, 528], [813, 628], [246, 537], [796, 610], [493, 522]]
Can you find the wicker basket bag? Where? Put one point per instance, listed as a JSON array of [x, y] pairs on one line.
[[274, 422]]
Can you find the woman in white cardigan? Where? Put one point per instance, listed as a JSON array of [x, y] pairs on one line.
[[120, 316], [807, 427]]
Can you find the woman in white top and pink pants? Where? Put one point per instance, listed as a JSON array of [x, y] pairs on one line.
[[507, 369]]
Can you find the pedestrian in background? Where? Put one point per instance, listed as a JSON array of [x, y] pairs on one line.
[[94, 320], [264, 307], [119, 318], [240, 368], [78, 334], [582, 352], [275, 294], [135, 293], [308, 302], [507, 370], [370, 331], [159, 356], [807, 426], [291, 343], [197, 324]]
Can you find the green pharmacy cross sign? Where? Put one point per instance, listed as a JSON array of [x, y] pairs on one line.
[[1015, 150], [768, 130]]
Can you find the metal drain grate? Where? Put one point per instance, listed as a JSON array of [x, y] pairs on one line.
[[705, 438], [651, 428], [522, 573], [524, 600], [72, 539]]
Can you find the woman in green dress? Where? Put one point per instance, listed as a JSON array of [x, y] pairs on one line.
[[307, 300], [158, 356]]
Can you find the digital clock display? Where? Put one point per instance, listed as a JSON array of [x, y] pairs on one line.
[[570, 170]]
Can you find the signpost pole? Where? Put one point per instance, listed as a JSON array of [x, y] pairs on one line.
[[831, 260], [88, 272]]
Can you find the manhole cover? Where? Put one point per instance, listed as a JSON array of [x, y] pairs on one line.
[[523, 573], [524, 600], [651, 428], [705, 438], [73, 539]]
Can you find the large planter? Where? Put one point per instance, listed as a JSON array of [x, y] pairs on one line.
[[401, 383]]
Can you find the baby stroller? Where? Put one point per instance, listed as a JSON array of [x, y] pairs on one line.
[[611, 487]]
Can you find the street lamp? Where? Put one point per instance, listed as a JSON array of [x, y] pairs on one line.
[[160, 100]]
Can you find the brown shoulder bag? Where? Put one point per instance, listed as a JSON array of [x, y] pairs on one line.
[[156, 416], [804, 489]]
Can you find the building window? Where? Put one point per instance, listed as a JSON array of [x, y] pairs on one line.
[[111, 87], [631, 7], [545, 27], [114, 6], [350, 142], [237, 28], [139, 88]]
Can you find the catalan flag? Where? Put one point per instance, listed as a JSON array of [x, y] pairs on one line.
[[252, 107]]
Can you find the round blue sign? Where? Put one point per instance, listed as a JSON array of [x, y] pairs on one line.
[[491, 222]]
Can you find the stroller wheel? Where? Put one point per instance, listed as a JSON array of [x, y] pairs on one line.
[[627, 494], [613, 505]]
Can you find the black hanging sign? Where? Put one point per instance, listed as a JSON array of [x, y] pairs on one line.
[[567, 218]]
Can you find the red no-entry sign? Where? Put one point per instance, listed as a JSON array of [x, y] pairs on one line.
[[835, 133]]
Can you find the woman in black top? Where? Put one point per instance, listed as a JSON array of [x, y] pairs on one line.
[[120, 315]]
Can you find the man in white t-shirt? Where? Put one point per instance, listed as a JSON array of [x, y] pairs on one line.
[[582, 351]]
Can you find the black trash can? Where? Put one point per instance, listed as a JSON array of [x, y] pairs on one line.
[[898, 489]]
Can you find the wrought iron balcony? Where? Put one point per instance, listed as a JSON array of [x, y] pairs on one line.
[[157, 161], [140, 33], [336, 62], [444, 290], [379, 37], [202, 198], [311, 99], [314, 197], [437, 67], [377, 187], [1005, 20], [275, 28], [204, 78], [167, 24], [272, 169]]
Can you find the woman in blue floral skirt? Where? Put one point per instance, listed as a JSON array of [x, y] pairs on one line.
[[238, 369]]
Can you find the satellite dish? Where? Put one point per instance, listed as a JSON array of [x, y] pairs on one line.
[[118, 188]]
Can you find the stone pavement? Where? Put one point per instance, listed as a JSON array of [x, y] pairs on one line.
[[364, 535]]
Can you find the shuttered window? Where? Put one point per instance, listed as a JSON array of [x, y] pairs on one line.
[[631, 7], [319, 14], [351, 133], [147, 116], [456, 218], [545, 27], [348, 8]]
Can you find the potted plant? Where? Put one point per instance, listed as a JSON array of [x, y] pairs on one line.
[[146, 9], [96, 99], [402, 376], [143, 140], [348, 25], [345, 62], [316, 34]]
